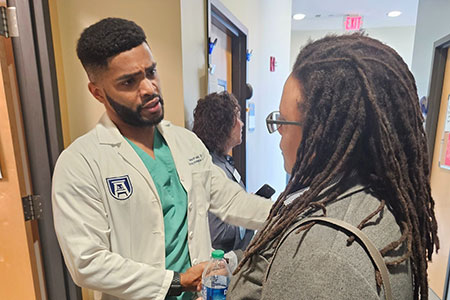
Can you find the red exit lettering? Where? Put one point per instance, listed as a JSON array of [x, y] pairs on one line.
[[352, 22]]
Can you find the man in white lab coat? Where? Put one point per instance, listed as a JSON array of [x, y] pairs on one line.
[[130, 197]]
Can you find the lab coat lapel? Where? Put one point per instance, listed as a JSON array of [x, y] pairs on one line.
[[180, 160], [108, 133], [131, 157]]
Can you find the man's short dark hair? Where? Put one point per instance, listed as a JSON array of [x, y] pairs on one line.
[[105, 39]]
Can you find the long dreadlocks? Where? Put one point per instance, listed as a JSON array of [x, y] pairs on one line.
[[361, 114]]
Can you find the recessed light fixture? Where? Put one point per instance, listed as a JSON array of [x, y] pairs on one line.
[[394, 13], [298, 16]]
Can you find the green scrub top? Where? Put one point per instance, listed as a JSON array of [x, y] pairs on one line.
[[173, 199]]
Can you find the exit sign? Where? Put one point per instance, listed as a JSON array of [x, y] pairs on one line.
[[352, 22]]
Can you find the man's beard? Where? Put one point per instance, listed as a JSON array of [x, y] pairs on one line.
[[134, 117]]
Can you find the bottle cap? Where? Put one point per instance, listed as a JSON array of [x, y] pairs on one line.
[[218, 254]]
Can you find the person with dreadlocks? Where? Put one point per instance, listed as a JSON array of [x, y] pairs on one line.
[[218, 125], [353, 141]]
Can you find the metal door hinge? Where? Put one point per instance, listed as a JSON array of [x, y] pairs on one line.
[[32, 207], [8, 22]]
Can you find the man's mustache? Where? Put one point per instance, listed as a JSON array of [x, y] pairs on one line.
[[150, 98]]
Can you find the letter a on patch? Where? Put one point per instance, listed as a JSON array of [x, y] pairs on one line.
[[120, 187]]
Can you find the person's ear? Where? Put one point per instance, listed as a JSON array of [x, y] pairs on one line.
[[96, 92]]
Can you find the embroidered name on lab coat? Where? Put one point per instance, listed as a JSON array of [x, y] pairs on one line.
[[196, 159], [120, 187]]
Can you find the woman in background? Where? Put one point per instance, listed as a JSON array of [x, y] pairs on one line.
[[218, 124]]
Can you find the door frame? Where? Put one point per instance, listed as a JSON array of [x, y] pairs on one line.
[[36, 76], [219, 16], [441, 48], [447, 280]]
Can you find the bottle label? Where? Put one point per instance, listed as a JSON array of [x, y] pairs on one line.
[[215, 287], [214, 293]]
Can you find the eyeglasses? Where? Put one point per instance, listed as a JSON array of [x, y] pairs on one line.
[[274, 122]]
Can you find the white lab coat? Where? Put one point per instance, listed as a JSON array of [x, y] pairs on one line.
[[108, 216]]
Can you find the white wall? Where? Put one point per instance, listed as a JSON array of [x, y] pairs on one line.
[[193, 40], [433, 23], [269, 26], [399, 38]]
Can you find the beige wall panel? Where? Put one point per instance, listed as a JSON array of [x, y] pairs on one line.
[[161, 22], [60, 72], [193, 28]]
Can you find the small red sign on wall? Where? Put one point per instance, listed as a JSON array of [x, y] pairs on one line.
[[352, 22], [272, 64], [447, 154]]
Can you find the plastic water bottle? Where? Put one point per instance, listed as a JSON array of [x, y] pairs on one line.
[[216, 277]]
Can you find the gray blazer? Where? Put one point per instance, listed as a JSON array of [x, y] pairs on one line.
[[226, 236], [318, 264]]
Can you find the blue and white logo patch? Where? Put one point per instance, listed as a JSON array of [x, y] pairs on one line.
[[120, 187]]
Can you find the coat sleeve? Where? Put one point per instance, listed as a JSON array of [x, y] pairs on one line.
[[231, 203], [81, 225], [223, 236]]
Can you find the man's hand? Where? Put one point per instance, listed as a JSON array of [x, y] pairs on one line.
[[191, 280]]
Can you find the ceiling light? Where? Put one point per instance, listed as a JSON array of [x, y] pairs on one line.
[[394, 13], [298, 16]]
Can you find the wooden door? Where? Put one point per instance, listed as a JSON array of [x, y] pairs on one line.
[[440, 189], [230, 60], [221, 58], [20, 272]]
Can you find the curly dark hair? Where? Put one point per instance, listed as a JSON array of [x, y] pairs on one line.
[[214, 117], [105, 39], [359, 94]]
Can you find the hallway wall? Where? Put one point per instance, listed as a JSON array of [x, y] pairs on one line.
[[268, 25], [193, 37], [433, 24], [269, 34], [399, 38]]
